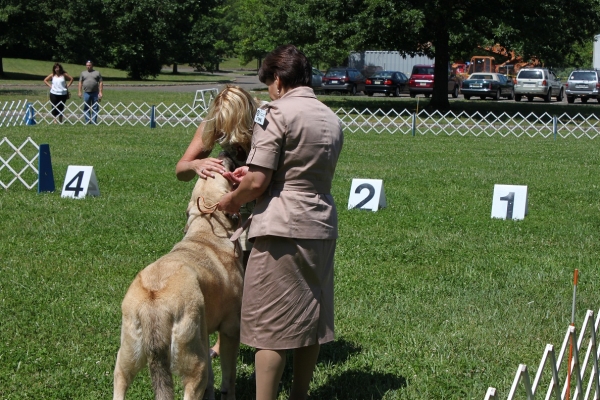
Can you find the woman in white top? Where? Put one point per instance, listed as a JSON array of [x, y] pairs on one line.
[[59, 93]]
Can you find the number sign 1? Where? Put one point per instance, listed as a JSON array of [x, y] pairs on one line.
[[366, 194], [509, 202], [79, 182]]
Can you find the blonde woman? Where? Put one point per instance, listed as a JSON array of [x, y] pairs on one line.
[[229, 122], [59, 90]]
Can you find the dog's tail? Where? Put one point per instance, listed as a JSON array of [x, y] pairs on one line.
[[157, 341]]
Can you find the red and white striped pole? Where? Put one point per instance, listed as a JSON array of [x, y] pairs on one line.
[[575, 278]]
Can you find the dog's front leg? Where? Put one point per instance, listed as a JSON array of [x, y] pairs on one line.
[[229, 351], [209, 394]]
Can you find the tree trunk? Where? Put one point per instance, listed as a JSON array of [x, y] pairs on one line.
[[1, 65], [175, 69], [439, 99]]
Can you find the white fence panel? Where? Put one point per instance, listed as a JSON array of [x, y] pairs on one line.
[[29, 162], [353, 121], [13, 113], [583, 376]]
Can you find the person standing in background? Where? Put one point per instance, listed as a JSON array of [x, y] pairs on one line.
[[59, 90], [90, 87]]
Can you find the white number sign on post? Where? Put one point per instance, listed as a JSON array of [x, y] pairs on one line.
[[366, 194], [509, 202], [79, 182]]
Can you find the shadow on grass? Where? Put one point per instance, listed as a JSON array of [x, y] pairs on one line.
[[21, 76], [351, 385], [181, 77], [22, 92], [359, 385]]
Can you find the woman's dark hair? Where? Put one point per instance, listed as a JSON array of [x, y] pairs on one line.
[[61, 71], [289, 64]]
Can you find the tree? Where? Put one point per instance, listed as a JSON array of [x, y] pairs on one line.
[[81, 31], [145, 34], [443, 29], [325, 31], [23, 28], [212, 36]]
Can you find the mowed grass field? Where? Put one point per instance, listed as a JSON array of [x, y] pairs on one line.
[[434, 299]]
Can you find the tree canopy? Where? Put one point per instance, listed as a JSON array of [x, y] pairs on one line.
[[142, 35]]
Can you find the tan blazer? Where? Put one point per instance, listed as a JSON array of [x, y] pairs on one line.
[[301, 140]]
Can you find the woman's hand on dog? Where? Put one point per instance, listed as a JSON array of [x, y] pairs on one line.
[[207, 167]]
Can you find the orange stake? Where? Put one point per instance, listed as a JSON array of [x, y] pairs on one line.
[[575, 278]]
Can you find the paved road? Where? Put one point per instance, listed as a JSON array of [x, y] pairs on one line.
[[247, 82]]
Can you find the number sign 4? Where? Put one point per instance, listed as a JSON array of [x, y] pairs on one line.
[[509, 202], [366, 194], [79, 182]]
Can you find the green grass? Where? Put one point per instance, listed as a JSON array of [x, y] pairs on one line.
[[434, 299], [23, 71]]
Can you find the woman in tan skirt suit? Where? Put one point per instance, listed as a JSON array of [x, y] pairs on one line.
[[288, 287]]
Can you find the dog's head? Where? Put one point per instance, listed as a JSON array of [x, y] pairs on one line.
[[206, 195]]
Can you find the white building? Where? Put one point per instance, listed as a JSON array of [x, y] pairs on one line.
[[386, 60], [596, 61]]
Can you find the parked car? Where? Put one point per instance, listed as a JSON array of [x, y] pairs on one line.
[[488, 84], [388, 82], [538, 82], [371, 70], [583, 84], [421, 81], [342, 79], [317, 79]]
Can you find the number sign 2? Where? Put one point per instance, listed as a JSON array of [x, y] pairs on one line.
[[79, 182], [366, 194], [509, 202]]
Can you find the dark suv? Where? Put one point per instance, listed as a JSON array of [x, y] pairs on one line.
[[343, 79], [421, 81], [583, 84]]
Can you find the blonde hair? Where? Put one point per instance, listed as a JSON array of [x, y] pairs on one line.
[[230, 119]]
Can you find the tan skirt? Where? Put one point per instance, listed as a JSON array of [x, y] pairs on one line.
[[288, 293]]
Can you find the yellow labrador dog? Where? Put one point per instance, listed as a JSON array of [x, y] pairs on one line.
[[176, 302]]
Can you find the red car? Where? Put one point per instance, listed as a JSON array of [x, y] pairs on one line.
[[421, 81]]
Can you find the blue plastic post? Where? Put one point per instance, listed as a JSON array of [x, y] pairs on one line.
[[45, 175], [30, 115], [414, 123], [152, 120]]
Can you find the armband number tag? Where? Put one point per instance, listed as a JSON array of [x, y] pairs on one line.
[[259, 118]]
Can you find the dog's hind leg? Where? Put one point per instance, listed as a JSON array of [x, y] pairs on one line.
[[191, 345], [130, 360]]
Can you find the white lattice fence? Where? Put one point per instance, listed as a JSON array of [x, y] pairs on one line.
[[124, 114], [17, 162], [12, 113], [354, 120], [585, 382], [463, 124]]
